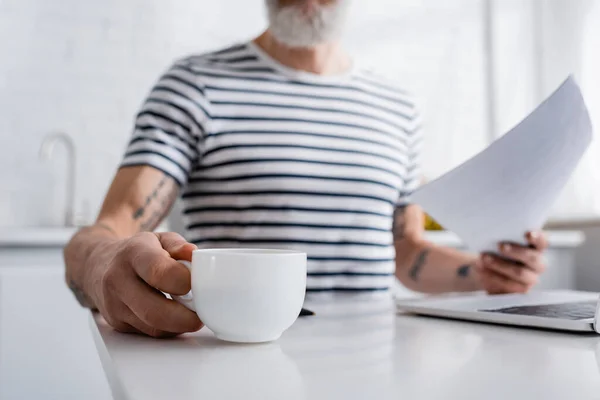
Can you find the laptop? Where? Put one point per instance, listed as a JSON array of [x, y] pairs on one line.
[[560, 310]]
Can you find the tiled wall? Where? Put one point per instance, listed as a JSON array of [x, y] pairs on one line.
[[83, 67]]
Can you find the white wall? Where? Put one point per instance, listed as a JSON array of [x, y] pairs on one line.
[[539, 43], [435, 49], [572, 40], [515, 61], [566, 32], [83, 67]]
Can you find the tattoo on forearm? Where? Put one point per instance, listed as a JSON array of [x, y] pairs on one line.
[[416, 268], [157, 204], [152, 222], [463, 271], [81, 297], [399, 222], [139, 213], [159, 214]]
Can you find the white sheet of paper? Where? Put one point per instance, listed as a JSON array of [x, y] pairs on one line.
[[510, 187]]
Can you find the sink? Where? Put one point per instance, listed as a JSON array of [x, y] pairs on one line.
[[36, 236]]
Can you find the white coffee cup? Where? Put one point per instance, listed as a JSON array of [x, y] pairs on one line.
[[246, 295]]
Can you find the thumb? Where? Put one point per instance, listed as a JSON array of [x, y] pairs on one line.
[[177, 247]]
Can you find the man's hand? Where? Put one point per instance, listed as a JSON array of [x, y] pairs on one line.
[[128, 277], [122, 273], [499, 275]]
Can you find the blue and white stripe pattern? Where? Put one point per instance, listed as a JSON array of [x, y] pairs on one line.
[[272, 157]]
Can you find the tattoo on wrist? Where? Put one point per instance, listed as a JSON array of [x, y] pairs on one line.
[[80, 295], [417, 266], [463, 271], [157, 204], [399, 222]]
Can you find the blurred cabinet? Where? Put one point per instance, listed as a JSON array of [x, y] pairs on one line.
[[46, 347], [33, 246], [31, 256]]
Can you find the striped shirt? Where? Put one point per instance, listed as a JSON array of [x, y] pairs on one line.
[[272, 157]]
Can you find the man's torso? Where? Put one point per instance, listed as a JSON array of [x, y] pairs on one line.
[[292, 160]]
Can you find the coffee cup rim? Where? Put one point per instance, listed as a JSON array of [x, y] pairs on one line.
[[251, 252]]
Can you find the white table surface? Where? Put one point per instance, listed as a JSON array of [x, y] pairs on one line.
[[356, 348]]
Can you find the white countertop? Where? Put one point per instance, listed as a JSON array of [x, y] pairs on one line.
[[556, 239], [58, 237], [36, 237], [356, 348]]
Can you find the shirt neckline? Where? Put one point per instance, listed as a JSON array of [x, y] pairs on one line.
[[299, 74]]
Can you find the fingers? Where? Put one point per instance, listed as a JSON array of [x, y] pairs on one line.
[[508, 270], [158, 269], [177, 247], [496, 283], [121, 326], [138, 326], [131, 286], [127, 322], [158, 312], [530, 258], [537, 240]]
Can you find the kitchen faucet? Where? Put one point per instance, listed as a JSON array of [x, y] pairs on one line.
[[46, 152]]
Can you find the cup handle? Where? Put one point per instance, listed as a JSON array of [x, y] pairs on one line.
[[186, 300]]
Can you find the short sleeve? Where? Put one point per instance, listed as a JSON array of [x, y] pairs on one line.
[[171, 124], [413, 171]]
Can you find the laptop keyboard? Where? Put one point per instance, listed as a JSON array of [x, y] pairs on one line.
[[572, 311]]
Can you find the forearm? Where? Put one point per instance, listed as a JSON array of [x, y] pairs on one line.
[[138, 200], [425, 267], [85, 247]]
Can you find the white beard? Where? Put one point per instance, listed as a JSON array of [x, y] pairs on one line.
[[291, 27]]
